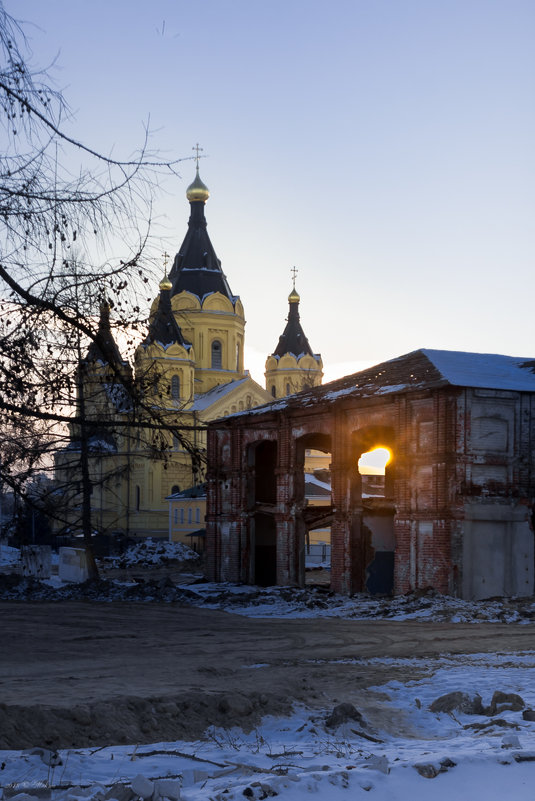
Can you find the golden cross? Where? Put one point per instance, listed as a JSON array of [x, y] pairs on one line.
[[165, 256], [294, 272], [197, 149]]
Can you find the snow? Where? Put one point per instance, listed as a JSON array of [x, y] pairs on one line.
[[311, 602], [484, 370], [151, 552], [206, 399], [311, 479], [299, 756], [9, 555]]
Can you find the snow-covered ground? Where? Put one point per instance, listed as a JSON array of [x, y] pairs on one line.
[[398, 749], [406, 752]]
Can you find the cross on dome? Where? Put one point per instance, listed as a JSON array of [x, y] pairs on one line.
[[197, 150]]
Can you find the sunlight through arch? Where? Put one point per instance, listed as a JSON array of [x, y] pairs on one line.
[[373, 463]]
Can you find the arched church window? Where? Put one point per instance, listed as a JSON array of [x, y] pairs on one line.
[[175, 387], [274, 391], [237, 358], [175, 488], [138, 497], [217, 353], [288, 389]]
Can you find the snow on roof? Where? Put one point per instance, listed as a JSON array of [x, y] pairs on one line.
[[484, 370], [420, 369], [192, 492], [311, 481], [205, 400]]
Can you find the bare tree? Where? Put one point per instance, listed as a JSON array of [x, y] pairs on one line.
[[59, 202]]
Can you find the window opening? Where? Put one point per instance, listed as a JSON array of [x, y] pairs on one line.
[[217, 353]]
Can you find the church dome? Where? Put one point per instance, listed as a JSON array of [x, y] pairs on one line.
[[165, 283], [197, 190], [293, 297]]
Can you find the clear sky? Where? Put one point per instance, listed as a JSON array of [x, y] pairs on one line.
[[386, 148]]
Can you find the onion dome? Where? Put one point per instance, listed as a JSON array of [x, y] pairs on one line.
[[197, 190], [293, 297], [165, 283]]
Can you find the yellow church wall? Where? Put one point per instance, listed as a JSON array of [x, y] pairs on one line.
[[137, 479]]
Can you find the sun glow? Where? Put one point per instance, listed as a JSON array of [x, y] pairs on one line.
[[373, 463]]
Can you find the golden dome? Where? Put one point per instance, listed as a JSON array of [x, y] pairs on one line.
[[165, 283], [293, 297], [197, 190]]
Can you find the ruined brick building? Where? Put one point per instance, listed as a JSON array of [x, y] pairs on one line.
[[456, 513]]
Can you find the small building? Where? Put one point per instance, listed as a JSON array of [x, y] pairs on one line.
[[455, 511], [187, 514]]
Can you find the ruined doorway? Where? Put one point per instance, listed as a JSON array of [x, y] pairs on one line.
[[262, 500], [265, 550]]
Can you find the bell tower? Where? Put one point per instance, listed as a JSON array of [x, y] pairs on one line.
[[209, 315], [293, 366]]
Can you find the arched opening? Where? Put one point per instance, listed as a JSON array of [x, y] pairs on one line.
[[217, 355], [288, 391], [138, 498], [274, 390], [372, 468], [175, 488], [175, 387], [237, 358], [373, 539], [313, 498]]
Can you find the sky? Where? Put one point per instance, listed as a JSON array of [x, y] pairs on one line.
[[382, 147]]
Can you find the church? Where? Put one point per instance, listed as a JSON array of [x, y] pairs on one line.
[[189, 370]]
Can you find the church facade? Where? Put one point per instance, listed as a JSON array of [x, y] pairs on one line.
[[188, 370]]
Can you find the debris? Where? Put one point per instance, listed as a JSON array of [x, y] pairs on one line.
[[343, 713]]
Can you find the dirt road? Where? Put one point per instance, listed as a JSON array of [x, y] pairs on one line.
[[74, 674]]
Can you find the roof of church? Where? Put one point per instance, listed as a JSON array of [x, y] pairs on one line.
[[164, 327], [196, 268], [206, 399], [104, 348], [293, 339], [420, 369]]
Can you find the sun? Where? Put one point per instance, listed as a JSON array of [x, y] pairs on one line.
[[373, 463]]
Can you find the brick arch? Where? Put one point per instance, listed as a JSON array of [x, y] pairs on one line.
[[373, 436]]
